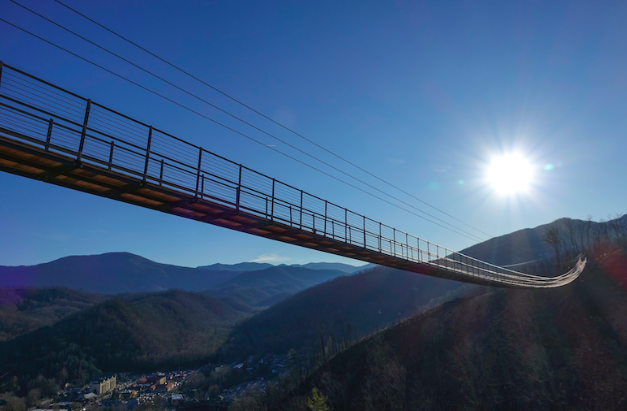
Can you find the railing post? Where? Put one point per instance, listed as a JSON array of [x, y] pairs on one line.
[[202, 186], [83, 132], [380, 236], [290, 215], [161, 174], [326, 203], [301, 211], [49, 133], [272, 206], [345, 224], [239, 190], [394, 237], [147, 155], [407, 245], [364, 231], [111, 154], [198, 172], [1, 66]]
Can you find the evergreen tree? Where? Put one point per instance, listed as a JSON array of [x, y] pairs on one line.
[[317, 401]]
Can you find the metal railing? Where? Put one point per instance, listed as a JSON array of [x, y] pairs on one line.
[[63, 122]]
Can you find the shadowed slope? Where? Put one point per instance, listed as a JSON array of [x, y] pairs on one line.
[[510, 349], [24, 309], [364, 302], [170, 329]]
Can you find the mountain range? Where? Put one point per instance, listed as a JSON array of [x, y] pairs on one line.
[[112, 273], [126, 272], [61, 332], [244, 267]]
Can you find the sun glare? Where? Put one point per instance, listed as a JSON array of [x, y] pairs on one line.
[[509, 174]]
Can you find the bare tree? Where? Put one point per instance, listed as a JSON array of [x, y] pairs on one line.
[[616, 224], [621, 223], [385, 383], [588, 228], [570, 229], [552, 237], [581, 230], [598, 236]]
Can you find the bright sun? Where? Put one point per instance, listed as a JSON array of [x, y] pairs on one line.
[[509, 174]]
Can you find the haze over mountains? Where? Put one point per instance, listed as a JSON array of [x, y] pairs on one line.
[[243, 267], [126, 272], [269, 286], [112, 273]]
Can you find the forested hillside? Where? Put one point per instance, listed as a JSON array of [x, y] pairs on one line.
[[266, 287], [170, 329], [563, 348], [346, 307], [24, 309]]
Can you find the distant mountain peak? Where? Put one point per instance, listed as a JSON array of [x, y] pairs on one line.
[[239, 267], [252, 266]]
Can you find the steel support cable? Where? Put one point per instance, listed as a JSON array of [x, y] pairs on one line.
[[245, 122], [267, 117], [396, 253]]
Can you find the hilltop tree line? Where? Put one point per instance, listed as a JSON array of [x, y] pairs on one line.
[[568, 237]]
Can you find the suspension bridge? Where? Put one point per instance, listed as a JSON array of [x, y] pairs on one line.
[[50, 134]]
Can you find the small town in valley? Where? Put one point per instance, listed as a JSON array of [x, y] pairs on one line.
[[170, 390]]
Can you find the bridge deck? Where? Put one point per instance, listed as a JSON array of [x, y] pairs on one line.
[[102, 154], [31, 162]]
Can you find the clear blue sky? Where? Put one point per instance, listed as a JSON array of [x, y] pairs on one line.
[[422, 94]]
